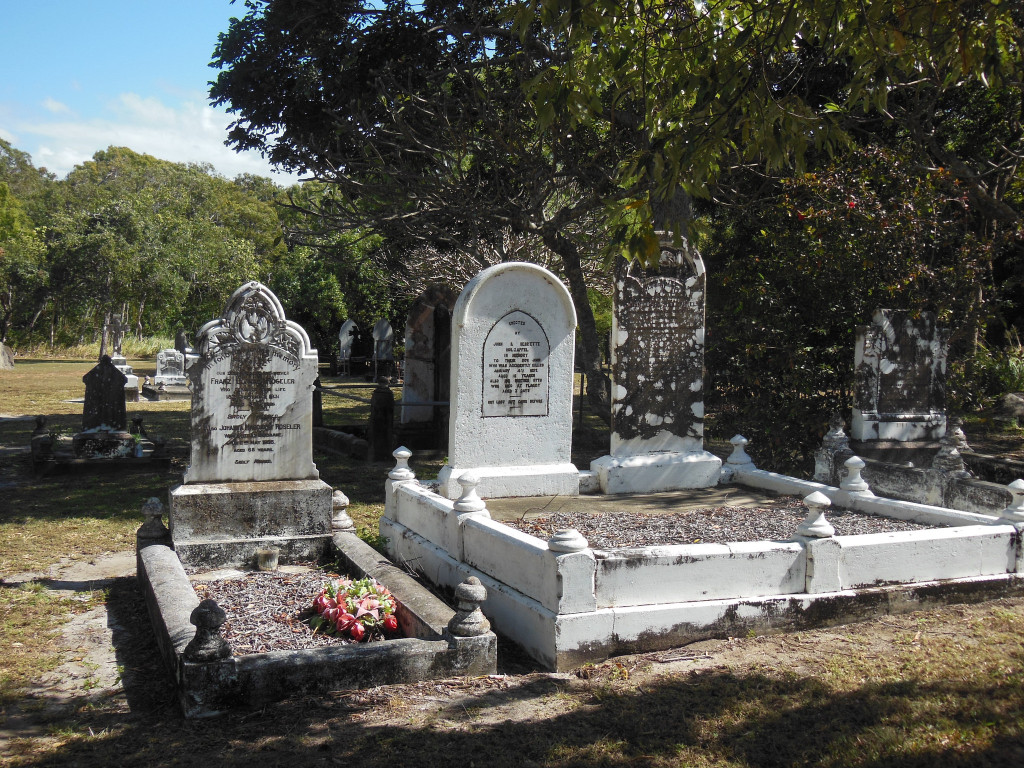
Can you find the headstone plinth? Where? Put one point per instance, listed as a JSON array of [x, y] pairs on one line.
[[900, 369], [657, 441], [513, 334], [251, 482]]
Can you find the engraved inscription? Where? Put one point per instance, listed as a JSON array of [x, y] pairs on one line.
[[515, 372]]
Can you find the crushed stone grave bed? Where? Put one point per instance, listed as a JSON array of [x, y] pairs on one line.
[[774, 521]]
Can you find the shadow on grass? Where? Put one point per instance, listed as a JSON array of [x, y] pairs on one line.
[[709, 718]]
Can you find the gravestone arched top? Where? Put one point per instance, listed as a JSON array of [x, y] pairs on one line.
[[253, 316]]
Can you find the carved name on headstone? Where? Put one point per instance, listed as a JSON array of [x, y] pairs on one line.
[[252, 377]]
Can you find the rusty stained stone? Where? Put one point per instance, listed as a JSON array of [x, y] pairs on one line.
[[658, 358], [428, 356]]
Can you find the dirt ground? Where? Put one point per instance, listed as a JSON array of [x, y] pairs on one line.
[[111, 664]]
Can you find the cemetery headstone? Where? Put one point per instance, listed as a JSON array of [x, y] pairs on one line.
[[170, 381], [346, 336], [513, 338], [251, 482], [6, 358], [170, 367], [428, 356], [104, 416], [657, 440], [900, 370]]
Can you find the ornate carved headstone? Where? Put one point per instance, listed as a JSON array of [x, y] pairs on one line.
[[428, 357], [252, 374], [657, 440], [900, 369], [513, 335], [170, 368], [251, 482]]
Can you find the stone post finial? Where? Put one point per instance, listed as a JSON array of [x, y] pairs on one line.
[[470, 503], [207, 645], [469, 620], [567, 540], [815, 525], [948, 459], [153, 528], [853, 482], [739, 453], [340, 520], [1015, 512], [401, 470], [836, 439]]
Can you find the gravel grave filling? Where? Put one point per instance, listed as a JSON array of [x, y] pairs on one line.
[[269, 611]]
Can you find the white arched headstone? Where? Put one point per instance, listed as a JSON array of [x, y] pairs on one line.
[[513, 341]]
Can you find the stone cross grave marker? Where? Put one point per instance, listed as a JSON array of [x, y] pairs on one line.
[[657, 440], [513, 341], [900, 370], [252, 374], [428, 334]]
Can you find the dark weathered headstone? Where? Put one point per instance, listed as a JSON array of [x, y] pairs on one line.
[[900, 369], [657, 440], [104, 397], [428, 357], [251, 483], [252, 379]]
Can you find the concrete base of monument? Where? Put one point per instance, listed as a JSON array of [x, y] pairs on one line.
[[505, 482], [898, 427], [218, 524], [166, 392], [434, 645], [654, 472]]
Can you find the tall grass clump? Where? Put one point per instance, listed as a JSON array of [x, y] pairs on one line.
[[135, 348]]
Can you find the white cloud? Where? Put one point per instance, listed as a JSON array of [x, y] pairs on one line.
[[57, 108], [189, 132]]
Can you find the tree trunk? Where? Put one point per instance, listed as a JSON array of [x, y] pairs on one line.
[[598, 385]]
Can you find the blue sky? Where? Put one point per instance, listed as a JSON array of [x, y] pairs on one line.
[[77, 76]]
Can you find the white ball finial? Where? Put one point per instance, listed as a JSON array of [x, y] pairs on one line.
[[567, 540], [853, 482], [469, 502], [739, 453], [401, 470], [1015, 512], [815, 526]]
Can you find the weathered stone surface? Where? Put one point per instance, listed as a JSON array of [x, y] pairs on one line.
[[181, 343], [657, 440], [6, 358], [383, 341], [1010, 408], [382, 418], [428, 333], [346, 336], [900, 369], [104, 397], [115, 336], [252, 375], [170, 368], [513, 333]]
